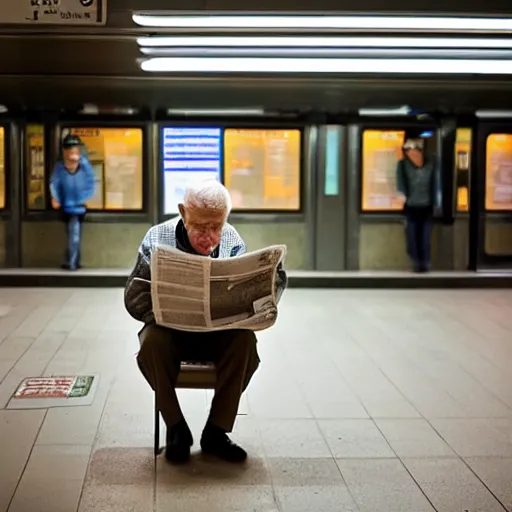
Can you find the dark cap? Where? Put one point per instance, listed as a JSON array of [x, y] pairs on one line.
[[71, 141]]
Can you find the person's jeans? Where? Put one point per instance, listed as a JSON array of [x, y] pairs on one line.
[[74, 234], [418, 234]]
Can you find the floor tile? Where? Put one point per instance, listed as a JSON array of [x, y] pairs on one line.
[[495, 473], [485, 437], [383, 486], [215, 498], [413, 438], [121, 466], [70, 425], [451, 486], [116, 498], [364, 400], [18, 431], [210, 471], [307, 499], [293, 438], [52, 471], [295, 472], [355, 439], [124, 429]]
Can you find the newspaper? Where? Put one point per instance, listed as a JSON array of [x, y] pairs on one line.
[[198, 294]]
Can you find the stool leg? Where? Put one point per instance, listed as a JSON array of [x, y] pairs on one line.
[[157, 432]]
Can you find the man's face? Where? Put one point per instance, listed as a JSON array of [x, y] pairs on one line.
[[204, 227], [71, 156], [415, 155]]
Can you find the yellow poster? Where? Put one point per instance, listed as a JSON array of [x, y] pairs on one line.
[[2, 168], [262, 168], [462, 164], [116, 157], [498, 172], [382, 149], [36, 190]]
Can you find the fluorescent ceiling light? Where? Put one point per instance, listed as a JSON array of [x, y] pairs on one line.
[[324, 22], [277, 65], [92, 109], [322, 42], [331, 53], [400, 111], [215, 112], [496, 114]]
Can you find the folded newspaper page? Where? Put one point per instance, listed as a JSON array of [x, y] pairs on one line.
[[198, 294]]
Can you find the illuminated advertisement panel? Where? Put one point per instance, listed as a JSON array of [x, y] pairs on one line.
[[498, 172], [262, 168], [189, 155], [382, 149]]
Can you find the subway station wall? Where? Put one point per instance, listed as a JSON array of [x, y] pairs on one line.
[[3, 245], [115, 245], [461, 244], [103, 245], [382, 247], [293, 235], [498, 238]]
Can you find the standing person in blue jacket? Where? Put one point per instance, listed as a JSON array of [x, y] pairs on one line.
[[71, 186]]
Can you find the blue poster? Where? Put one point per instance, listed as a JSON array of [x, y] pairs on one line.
[[332, 162], [189, 154]]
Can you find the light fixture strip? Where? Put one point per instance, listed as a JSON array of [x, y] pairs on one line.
[[195, 65], [323, 22], [215, 112], [336, 53], [320, 42]]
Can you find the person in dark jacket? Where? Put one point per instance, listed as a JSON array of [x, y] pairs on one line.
[[71, 186], [417, 181]]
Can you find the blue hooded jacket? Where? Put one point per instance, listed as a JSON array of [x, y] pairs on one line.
[[73, 190]]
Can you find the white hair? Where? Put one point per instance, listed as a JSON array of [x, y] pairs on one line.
[[208, 194]]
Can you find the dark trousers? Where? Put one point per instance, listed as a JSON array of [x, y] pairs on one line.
[[73, 225], [233, 352], [418, 234]]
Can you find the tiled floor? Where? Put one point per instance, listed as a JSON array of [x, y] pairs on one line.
[[365, 401]]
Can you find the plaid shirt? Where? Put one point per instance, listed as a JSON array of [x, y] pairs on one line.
[[137, 296]]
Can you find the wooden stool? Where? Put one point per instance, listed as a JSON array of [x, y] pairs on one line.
[[193, 375]]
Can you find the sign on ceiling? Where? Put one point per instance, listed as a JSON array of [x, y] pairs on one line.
[[53, 12]]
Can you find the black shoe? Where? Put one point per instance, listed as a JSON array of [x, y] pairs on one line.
[[215, 441], [178, 442], [66, 266]]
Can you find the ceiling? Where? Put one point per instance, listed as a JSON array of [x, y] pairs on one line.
[[55, 67]]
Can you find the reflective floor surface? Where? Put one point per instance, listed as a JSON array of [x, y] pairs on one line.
[[366, 400]]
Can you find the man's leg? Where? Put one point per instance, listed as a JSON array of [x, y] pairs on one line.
[[159, 360], [426, 233], [236, 359], [79, 252], [74, 234], [66, 219], [412, 240]]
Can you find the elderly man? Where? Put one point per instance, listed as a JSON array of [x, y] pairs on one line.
[[201, 229]]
